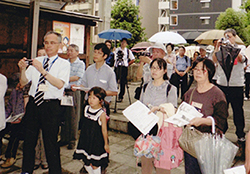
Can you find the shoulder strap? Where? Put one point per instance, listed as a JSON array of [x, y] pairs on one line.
[[168, 89], [167, 92], [127, 53], [191, 96], [144, 87], [186, 58]]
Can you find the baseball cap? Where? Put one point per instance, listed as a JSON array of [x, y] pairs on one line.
[[159, 46]]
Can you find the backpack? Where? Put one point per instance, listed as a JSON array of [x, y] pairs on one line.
[[138, 90], [186, 58], [110, 60]]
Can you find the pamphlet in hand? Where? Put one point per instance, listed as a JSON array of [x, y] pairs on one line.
[[81, 88], [137, 114], [184, 115], [236, 170], [14, 118]]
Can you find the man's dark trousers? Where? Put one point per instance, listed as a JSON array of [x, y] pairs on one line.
[[176, 80], [47, 118], [234, 95], [121, 75]]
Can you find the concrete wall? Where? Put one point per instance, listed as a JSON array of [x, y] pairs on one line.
[[149, 11]]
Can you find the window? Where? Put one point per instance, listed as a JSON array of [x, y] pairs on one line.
[[205, 20], [173, 20], [96, 13], [205, 4], [174, 5]]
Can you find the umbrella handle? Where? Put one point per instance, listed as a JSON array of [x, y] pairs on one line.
[[213, 124]]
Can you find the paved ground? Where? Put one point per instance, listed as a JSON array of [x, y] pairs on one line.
[[122, 160]]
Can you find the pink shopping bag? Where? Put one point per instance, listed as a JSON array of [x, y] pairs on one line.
[[172, 153]]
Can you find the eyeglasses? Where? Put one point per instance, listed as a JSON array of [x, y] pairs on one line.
[[199, 70], [51, 43], [154, 68]]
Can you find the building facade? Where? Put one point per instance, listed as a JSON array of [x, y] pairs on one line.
[[197, 15]]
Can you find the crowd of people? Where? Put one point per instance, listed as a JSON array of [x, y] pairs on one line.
[[46, 99]]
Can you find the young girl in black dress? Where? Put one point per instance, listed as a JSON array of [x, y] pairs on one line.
[[93, 147]]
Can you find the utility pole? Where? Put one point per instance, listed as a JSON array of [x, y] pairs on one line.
[[33, 28]]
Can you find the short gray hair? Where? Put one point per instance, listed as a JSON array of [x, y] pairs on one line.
[[74, 46], [230, 30], [59, 36]]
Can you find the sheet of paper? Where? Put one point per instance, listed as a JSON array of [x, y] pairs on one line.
[[14, 118], [137, 114], [81, 88], [235, 170], [184, 114]]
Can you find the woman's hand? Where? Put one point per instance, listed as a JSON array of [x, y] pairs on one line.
[[106, 147], [200, 121], [196, 122], [157, 108]]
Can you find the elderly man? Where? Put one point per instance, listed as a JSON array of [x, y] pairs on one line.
[[72, 113], [49, 75], [233, 88], [203, 51]]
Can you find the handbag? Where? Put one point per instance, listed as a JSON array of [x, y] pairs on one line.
[[190, 136], [172, 152], [148, 146]]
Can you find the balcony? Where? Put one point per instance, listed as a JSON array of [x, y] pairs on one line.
[[163, 20], [163, 5]]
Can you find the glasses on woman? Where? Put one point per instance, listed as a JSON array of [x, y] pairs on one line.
[[200, 70], [155, 68]]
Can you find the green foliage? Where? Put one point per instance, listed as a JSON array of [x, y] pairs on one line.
[[236, 20], [125, 16]]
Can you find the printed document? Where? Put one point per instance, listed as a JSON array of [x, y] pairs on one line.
[[184, 115], [14, 118], [137, 114], [81, 88], [236, 170]]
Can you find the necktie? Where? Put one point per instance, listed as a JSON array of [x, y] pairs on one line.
[[38, 99]]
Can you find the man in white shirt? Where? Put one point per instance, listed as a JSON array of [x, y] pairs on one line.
[[123, 58], [49, 75]]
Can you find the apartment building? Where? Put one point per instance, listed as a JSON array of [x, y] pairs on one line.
[[197, 15]]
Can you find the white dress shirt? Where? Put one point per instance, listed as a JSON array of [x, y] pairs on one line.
[[58, 67]]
